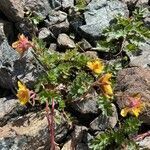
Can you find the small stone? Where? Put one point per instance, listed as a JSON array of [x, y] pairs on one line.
[[103, 122], [45, 34], [59, 28], [56, 17], [55, 4], [84, 44], [67, 4], [64, 41], [92, 54], [141, 59], [53, 47]]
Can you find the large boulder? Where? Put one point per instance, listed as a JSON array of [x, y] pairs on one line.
[[12, 9], [132, 81], [99, 14], [30, 131]]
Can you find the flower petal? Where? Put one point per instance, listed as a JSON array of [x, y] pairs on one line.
[[136, 111], [15, 44], [124, 112]]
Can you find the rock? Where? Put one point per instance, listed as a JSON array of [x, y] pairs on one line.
[[7, 109], [99, 15], [85, 45], [78, 139], [131, 81], [40, 7], [6, 31], [64, 41], [52, 47], [59, 28], [45, 34], [12, 9], [103, 122], [92, 54], [86, 109], [57, 22], [26, 69], [141, 59], [55, 4], [144, 143], [26, 27], [29, 131], [55, 17], [67, 4]]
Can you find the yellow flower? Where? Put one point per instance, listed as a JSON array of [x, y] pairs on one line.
[[134, 108], [96, 66], [105, 85], [22, 44], [23, 93]]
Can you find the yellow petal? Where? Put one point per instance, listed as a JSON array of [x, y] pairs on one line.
[[21, 37], [105, 78], [124, 112], [96, 66], [15, 44], [21, 86], [108, 90], [23, 96], [136, 111], [89, 64]]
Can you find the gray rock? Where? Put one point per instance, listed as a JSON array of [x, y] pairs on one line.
[[64, 41], [144, 144], [99, 14], [7, 109], [52, 47], [40, 7], [12, 9], [103, 122], [45, 34], [84, 44], [30, 131], [55, 17], [6, 31], [141, 59], [67, 4], [59, 28], [55, 4], [78, 139], [57, 22], [88, 105], [92, 54], [22, 133], [26, 69]]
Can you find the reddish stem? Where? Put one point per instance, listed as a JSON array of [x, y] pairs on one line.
[[50, 119], [141, 136]]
